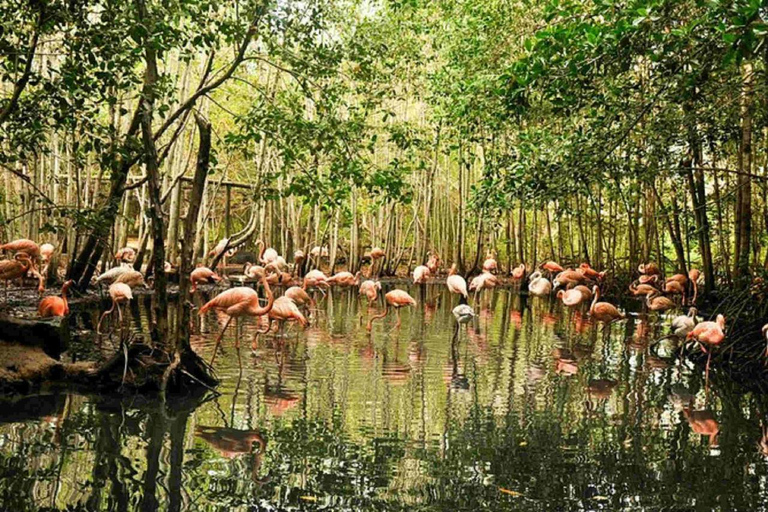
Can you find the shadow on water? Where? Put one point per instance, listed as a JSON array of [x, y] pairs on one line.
[[528, 407]]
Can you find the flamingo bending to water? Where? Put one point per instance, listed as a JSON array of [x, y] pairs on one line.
[[120, 293], [396, 299], [55, 306]]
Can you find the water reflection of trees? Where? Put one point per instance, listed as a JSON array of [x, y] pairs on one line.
[[417, 417]]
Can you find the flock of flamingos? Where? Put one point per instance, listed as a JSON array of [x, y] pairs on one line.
[[575, 287]]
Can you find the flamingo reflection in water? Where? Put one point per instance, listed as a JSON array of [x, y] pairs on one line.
[[231, 443]]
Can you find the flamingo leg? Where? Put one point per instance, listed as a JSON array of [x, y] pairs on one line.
[[706, 373], [218, 340], [399, 322]]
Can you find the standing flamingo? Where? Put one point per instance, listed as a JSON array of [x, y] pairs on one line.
[[518, 273], [709, 333], [683, 324], [571, 298], [552, 267], [120, 294], [285, 309], [656, 302], [238, 302], [433, 263], [202, 275], [483, 281], [420, 274], [46, 251], [22, 245], [315, 279], [14, 269], [55, 306], [376, 254], [396, 299], [300, 296], [345, 279], [603, 311], [456, 284], [370, 289], [490, 264]]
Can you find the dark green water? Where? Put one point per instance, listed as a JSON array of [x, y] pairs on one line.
[[511, 415]]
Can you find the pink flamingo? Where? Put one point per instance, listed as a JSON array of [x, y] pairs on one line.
[[238, 302], [396, 299]]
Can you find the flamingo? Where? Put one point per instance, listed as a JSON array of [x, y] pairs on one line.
[[345, 279], [14, 269], [396, 299], [538, 285], [22, 245], [298, 259], [568, 277], [603, 311], [709, 333], [220, 247], [132, 278], [315, 279], [642, 289], [126, 255], [370, 289], [253, 271], [285, 309], [490, 264], [675, 287], [656, 302], [420, 274], [238, 302], [483, 281], [585, 291], [683, 324], [300, 296], [693, 276], [587, 271], [267, 255], [376, 254], [463, 313], [552, 267], [46, 251], [648, 279], [518, 273], [433, 263], [112, 274], [649, 269], [319, 252], [571, 298], [120, 294], [202, 275], [55, 306], [455, 283]]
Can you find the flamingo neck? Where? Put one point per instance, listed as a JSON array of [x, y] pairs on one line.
[[594, 300], [376, 317], [256, 309]]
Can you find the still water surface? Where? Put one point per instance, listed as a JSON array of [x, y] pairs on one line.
[[530, 408]]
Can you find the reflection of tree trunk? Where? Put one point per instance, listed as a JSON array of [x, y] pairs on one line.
[[177, 431], [107, 455], [156, 431]]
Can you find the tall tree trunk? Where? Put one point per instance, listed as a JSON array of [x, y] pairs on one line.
[[743, 214]]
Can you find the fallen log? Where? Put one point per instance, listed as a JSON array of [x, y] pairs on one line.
[[50, 334]]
